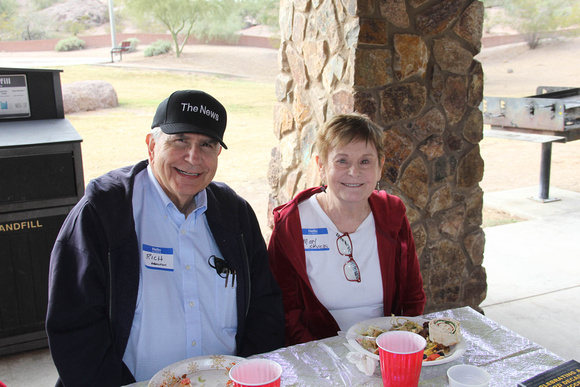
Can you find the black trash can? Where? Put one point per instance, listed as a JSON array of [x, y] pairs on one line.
[[41, 179]]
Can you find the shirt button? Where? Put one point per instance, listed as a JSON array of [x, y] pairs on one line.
[[183, 231], [187, 267], [193, 343], [191, 304]]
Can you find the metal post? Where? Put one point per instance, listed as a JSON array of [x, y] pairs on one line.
[[545, 163], [112, 22]]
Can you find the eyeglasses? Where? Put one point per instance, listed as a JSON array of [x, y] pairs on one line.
[[222, 269], [350, 268]]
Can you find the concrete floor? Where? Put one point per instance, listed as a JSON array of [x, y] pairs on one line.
[[533, 280], [533, 268]]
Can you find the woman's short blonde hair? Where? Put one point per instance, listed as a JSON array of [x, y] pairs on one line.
[[343, 129]]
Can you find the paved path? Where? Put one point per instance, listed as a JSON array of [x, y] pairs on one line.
[[252, 63]]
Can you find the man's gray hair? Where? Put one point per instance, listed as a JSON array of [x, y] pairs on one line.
[[156, 133]]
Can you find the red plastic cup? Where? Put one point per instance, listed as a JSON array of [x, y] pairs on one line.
[[401, 358], [256, 372]]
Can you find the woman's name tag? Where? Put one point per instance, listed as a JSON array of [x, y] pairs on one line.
[[315, 239]]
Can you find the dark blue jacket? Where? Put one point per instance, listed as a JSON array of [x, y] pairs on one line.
[[94, 280]]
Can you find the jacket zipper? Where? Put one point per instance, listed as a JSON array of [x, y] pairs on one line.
[[111, 296], [247, 268]]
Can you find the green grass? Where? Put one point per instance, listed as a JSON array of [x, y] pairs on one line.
[[493, 217], [116, 137], [145, 88], [498, 222]]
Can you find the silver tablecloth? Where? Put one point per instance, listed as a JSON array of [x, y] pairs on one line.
[[507, 356]]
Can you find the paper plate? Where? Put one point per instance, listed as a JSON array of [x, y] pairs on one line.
[[385, 323], [209, 371]]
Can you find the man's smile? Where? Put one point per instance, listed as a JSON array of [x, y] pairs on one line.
[[187, 173]]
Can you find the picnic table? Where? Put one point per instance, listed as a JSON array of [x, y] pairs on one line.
[[507, 356]]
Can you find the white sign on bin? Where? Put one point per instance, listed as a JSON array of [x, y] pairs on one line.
[[14, 102]]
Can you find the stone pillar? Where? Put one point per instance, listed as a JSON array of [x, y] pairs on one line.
[[408, 64]]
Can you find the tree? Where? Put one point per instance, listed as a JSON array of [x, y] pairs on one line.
[[183, 17], [536, 18], [23, 22], [32, 26], [225, 20], [264, 12], [8, 9]]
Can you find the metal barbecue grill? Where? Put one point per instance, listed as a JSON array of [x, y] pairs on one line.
[[553, 115]]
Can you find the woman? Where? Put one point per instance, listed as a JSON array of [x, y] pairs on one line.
[[344, 252]]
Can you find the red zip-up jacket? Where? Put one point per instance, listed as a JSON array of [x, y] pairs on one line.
[[306, 318]]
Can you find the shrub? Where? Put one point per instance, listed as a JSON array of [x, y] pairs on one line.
[[134, 44], [42, 4], [74, 27], [70, 44], [157, 48]]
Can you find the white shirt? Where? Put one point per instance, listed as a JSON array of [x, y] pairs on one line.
[[348, 302], [183, 307]]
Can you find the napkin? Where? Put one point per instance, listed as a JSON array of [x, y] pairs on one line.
[[364, 363]]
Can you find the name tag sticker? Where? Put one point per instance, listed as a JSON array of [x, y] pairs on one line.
[[315, 239], [158, 258]]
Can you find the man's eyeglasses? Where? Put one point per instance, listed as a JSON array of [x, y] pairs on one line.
[[222, 269], [350, 268]]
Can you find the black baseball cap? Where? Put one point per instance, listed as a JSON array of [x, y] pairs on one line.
[[191, 111]]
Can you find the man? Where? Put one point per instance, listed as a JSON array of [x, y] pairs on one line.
[[157, 263]]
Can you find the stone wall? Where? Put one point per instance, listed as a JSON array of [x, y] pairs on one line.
[[409, 65]]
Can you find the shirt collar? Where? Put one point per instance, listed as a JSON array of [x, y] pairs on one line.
[[200, 198]]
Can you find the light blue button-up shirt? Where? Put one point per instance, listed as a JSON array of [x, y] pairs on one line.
[[183, 308]]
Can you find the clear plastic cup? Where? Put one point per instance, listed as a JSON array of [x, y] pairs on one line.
[[401, 358], [465, 375], [256, 372]]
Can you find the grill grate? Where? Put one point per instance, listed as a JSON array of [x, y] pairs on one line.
[[553, 111]]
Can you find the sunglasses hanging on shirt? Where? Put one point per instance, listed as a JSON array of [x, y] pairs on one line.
[[222, 269]]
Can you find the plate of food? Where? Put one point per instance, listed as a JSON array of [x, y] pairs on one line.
[[443, 336], [206, 371]]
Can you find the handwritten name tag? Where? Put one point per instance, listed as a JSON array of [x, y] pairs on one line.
[[315, 239], [158, 258]]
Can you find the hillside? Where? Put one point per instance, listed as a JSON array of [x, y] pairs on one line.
[[93, 14]]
